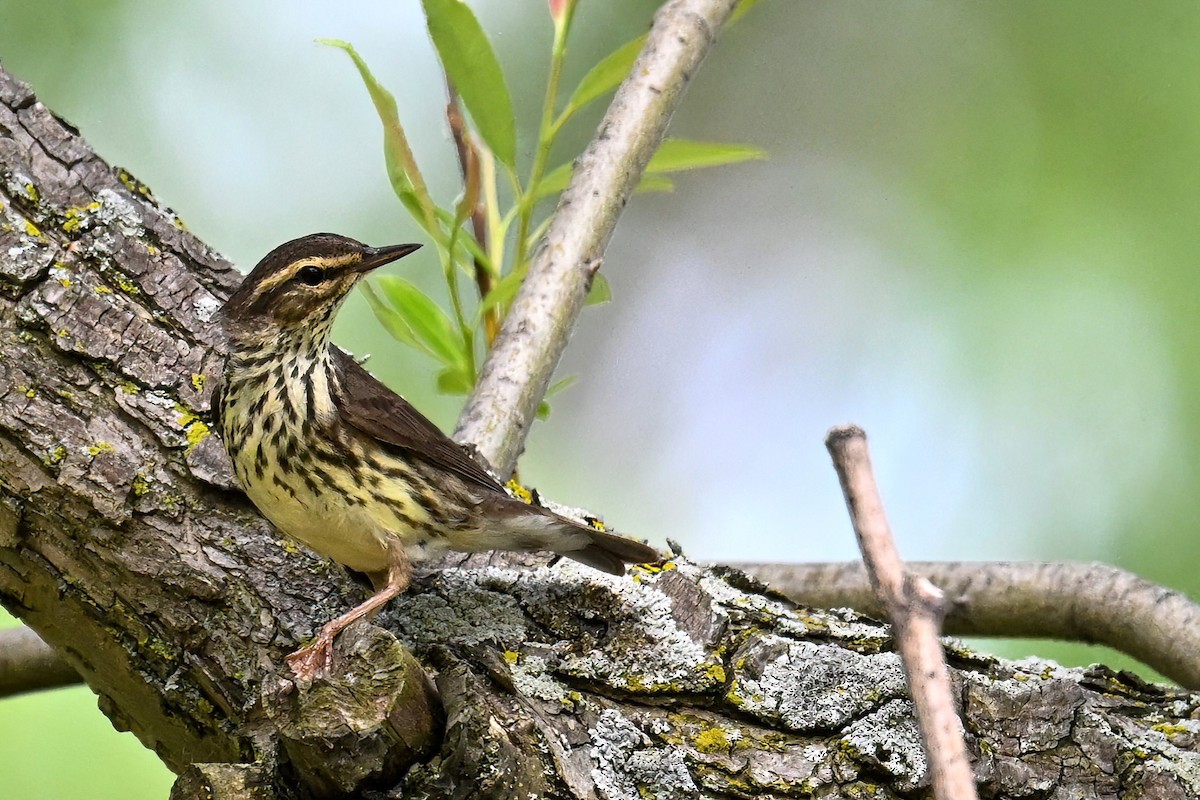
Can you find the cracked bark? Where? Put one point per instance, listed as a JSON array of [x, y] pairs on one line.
[[125, 545]]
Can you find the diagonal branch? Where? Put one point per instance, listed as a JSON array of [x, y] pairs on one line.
[[498, 414]]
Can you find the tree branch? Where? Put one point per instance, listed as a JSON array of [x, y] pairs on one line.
[[27, 664], [125, 545], [514, 378], [915, 607], [1080, 602]]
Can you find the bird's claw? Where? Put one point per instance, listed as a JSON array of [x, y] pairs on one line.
[[314, 660]]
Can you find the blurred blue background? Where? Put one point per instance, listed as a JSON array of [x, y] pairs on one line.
[[975, 236]]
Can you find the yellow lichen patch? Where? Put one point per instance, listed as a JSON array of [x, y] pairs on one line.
[[151, 249], [198, 381], [520, 492], [100, 447], [654, 569], [511, 656], [716, 672], [32, 193], [595, 523], [55, 456], [141, 486], [127, 286], [28, 391], [197, 432], [64, 281], [129, 387], [103, 290], [132, 184], [31, 229], [712, 740], [196, 429]]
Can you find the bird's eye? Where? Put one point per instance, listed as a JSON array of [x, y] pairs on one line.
[[310, 275]]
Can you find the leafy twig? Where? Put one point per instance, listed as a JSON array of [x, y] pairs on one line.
[[515, 376]]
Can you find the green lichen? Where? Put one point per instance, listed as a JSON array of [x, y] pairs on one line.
[[716, 672], [132, 184], [197, 432], [127, 286], [102, 289], [195, 428], [129, 387], [141, 485], [55, 456], [712, 741]]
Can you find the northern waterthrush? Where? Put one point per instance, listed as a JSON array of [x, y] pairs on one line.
[[337, 460]]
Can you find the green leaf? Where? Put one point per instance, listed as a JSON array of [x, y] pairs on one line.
[[543, 409], [554, 181], [675, 155], [426, 320], [503, 292], [454, 381], [600, 292], [605, 76], [742, 9], [471, 64], [406, 179], [655, 183], [561, 384], [391, 321], [557, 179]]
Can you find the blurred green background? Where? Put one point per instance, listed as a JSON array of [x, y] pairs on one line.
[[975, 236]]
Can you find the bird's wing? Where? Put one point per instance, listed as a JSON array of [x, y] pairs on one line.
[[375, 410]]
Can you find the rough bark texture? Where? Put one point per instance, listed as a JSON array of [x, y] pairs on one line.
[[125, 545]]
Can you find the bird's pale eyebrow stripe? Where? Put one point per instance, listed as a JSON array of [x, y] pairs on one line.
[[289, 272]]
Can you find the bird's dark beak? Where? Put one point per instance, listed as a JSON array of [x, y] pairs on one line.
[[374, 257]]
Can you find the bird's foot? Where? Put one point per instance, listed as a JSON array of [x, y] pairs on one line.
[[314, 660]]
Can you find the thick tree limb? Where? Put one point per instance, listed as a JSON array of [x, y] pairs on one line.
[[1079, 602], [514, 378], [27, 664], [127, 549], [915, 607]]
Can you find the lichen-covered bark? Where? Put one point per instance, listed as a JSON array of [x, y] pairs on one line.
[[124, 543]]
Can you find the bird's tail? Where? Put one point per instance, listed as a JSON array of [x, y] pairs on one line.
[[517, 526]]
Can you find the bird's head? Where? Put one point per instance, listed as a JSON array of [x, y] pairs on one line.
[[298, 286]]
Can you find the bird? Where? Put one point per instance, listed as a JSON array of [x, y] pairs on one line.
[[337, 460]]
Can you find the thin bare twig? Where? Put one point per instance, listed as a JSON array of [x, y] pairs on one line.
[[28, 664], [1075, 601], [514, 378], [915, 607]]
